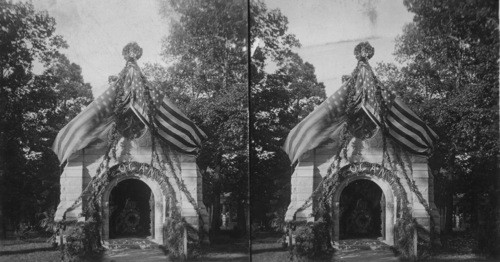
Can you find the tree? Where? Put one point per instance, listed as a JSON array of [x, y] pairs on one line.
[[206, 49], [34, 108], [450, 79], [279, 100]]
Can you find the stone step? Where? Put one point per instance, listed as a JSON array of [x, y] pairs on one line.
[[130, 243], [362, 244]]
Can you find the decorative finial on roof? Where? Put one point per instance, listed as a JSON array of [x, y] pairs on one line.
[[364, 51], [132, 52]]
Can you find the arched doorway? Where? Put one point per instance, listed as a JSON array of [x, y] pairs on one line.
[[391, 197], [361, 216], [131, 204], [142, 179]]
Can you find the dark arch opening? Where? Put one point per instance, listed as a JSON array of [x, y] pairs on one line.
[[362, 204], [131, 204]]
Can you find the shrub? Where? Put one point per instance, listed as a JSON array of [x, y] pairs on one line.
[[312, 240], [83, 242], [173, 236]]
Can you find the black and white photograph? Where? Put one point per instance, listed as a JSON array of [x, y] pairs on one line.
[[249, 130]]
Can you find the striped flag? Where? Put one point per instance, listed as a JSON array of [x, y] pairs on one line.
[[403, 125], [173, 127], [322, 124], [325, 122], [95, 121]]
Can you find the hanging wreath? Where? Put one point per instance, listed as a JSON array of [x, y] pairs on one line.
[[131, 220]]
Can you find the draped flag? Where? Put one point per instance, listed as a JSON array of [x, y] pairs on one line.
[[95, 121], [402, 125], [92, 123], [323, 123], [173, 127]]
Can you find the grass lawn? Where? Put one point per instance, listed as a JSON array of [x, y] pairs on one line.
[[36, 249]]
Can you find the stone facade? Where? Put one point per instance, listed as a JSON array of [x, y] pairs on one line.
[[82, 167], [312, 167]]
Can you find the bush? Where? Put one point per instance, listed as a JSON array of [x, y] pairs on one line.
[[173, 236], [312, 240], [404, 230], [83, 242]]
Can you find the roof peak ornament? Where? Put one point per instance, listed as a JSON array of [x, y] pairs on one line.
[[364, 51], [132, 52]]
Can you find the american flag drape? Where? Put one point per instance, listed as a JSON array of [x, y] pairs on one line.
[[403, 126], [92, 123], [95, 121], [173, 127], [323, 123]]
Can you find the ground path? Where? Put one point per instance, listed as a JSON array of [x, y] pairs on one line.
[[268, 248], [140, 250], [364, 250]]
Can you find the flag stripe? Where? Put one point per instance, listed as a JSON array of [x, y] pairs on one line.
[[179, 115], [187, 129], [73, 139], [408, 113], [369, 110], [175, 143], [169, 130], [395, 136], [407, 147], [62, 138], [326, 117], [141, 113], [76, 129], [64, 135], [408, 138], [407, 128], [174, 133], [301, 131], [319, 133]]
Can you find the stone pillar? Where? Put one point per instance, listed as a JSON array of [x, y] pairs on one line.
[[192, 179], [302, 188], [71, 187]]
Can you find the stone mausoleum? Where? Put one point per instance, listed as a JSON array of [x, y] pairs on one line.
[[147, 147], [364, 198], [134, 204]]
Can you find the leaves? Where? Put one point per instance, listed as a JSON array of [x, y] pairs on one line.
[[207, 78], [450, 79], [34, 108], [279, 100]]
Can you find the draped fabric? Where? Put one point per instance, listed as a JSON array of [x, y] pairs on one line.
[[322, 124], [96, 120], [403, 126]]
